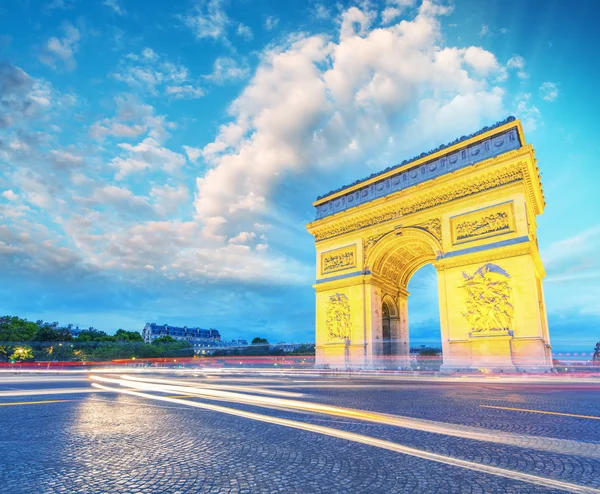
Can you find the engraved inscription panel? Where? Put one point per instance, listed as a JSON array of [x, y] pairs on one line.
[[338, 259], [483, 223]]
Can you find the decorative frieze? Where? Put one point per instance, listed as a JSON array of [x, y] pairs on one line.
[[483, 223], [413, 206], [338, 259], [455, 159]]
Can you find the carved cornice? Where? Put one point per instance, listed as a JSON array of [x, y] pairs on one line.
[[405, 207]]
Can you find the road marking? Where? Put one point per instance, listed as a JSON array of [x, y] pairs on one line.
[[542, 411], [371, 441], [32, 402]]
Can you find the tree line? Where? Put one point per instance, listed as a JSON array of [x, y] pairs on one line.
[[22, 340]]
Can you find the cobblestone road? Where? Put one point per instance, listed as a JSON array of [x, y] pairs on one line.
[[106, 442]]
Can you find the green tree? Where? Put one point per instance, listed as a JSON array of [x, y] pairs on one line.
[[162, 340], [21, 353], [93, 335], [13, 328], [122, 335], [260, 341], [48, 333]]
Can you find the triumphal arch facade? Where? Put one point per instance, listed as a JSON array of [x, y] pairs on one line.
[[469, 208]]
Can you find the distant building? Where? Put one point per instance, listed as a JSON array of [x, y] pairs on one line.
[[200, 339]]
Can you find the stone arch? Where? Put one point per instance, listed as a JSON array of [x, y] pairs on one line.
[[399, 254], [469, 209]]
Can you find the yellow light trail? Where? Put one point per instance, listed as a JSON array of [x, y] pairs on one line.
[[370, 441], [590, 450], [542, 411], [32, 403]]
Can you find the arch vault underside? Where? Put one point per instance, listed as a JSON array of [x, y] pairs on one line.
[[469, 209]]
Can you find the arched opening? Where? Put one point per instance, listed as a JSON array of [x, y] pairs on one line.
[[393, 262], [424, 325], [385, 330]]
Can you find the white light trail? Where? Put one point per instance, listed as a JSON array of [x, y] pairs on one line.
[[370, 441]]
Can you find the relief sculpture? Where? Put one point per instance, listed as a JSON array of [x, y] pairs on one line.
[[495, 222], [337, 317], [488, 299], [338, 259]]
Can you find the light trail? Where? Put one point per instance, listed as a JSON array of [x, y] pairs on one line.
[[52, 391], [370, 441], [560, 446], [542, 411], [224, 387], [32, 403]]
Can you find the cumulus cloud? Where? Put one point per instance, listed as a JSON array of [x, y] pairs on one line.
[[60, 52], [314, 103], [146, 155], [9, 195], [549, 91], [394, 9]]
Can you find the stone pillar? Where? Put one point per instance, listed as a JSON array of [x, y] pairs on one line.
[[492, 313], [348, 322]]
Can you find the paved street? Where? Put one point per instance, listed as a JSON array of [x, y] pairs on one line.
[[180, 432]]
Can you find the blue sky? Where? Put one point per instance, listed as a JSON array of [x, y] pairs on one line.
[[158, 160]]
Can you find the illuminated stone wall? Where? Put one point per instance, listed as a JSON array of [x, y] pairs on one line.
[[476, 225]]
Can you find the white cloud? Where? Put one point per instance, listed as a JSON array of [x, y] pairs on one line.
[[549, 91], [244, 32], [168, 199], [529, 114], [148, 73], [227, 69], [62, 49], [271, 22], [485, 30], [316, 103], [394, 9], [115, 5], [208, 20], [355, 22], [321, 12], [389, 14], [10, 195], [148, 154], [185, 91], [242, 238], [192, 153], [517, 62]]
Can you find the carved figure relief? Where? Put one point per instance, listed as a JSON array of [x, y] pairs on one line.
[[484, 223], [488, 299], [337, 317], [338, 259]]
